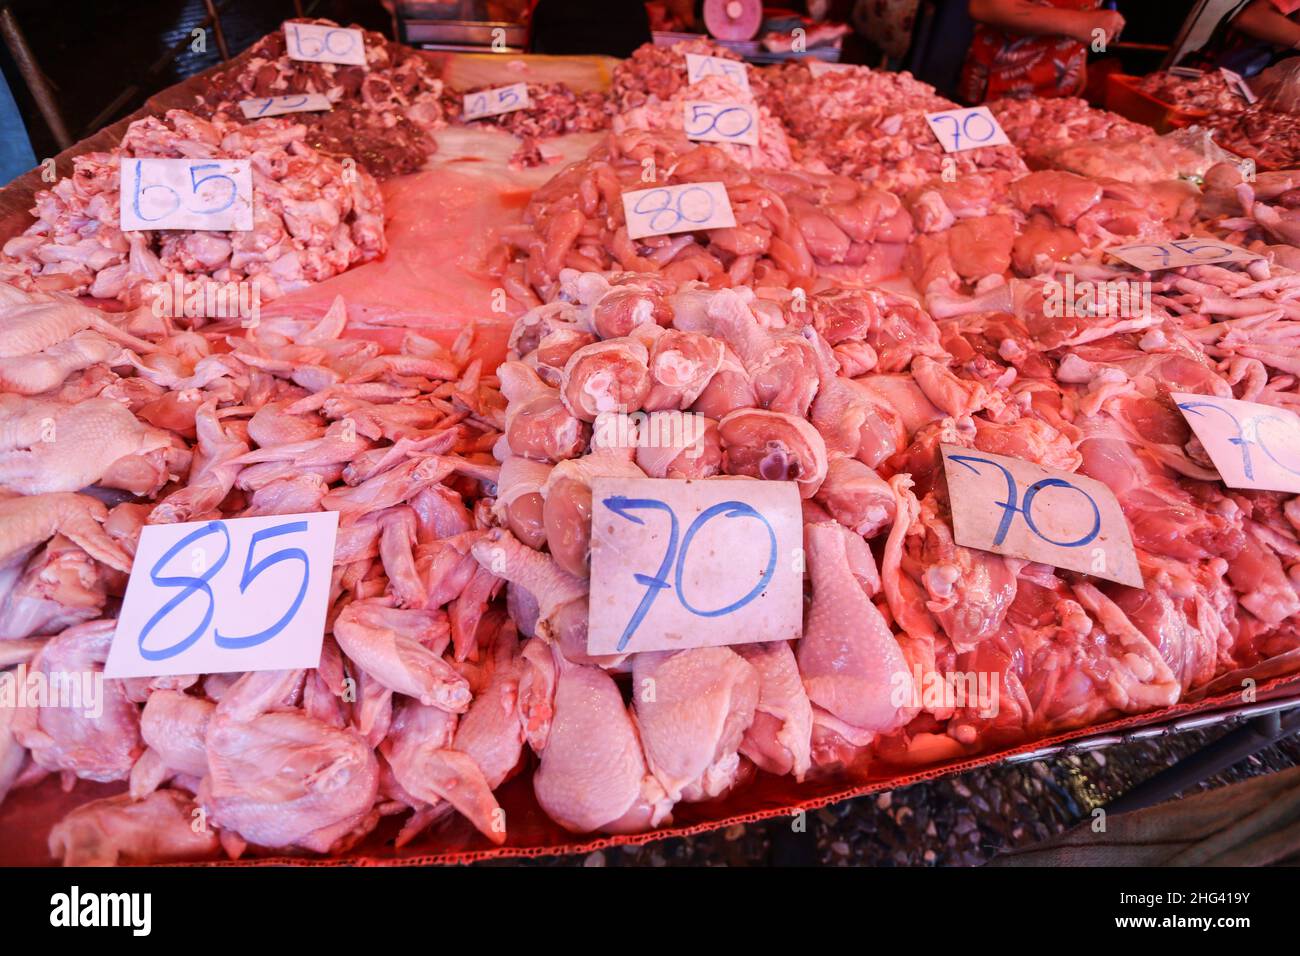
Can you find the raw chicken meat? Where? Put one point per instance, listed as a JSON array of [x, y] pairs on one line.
[[381, 115], [877, 298], [312, 218]]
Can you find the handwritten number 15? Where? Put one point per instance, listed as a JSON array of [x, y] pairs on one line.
[[675, 559]]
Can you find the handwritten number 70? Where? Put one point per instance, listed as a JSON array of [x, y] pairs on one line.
[[1248, 433], [963, 128], [674, 559], [1013, 505]]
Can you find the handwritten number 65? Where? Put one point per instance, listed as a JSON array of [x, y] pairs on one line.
[[675, 559], [1014, 506]]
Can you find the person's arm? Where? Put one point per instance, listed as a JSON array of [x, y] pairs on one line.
[[1262, 21], [1032, 19]]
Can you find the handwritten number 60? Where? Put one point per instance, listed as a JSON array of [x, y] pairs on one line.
[[1014, 506], [675, 559]]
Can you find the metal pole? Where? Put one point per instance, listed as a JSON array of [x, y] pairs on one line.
[[1229, 749], [216, 29], [33, 77]]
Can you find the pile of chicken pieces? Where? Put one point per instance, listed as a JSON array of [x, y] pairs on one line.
[[849, 323]]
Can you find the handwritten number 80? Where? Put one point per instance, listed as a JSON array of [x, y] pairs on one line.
[[195, 585], [675, 559], [670, 207]]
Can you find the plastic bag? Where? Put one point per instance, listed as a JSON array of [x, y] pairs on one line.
[[1279, 86]]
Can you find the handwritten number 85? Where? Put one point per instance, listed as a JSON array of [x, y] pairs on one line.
[[675, 559], [1013, 506], [194, 585]]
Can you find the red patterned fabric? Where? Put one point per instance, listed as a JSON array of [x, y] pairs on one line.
[[1004, 64]]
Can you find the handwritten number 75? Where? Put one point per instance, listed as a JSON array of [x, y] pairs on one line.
[[675, 559], [191, 585]]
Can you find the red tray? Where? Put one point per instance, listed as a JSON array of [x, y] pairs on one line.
[[1125, 97]]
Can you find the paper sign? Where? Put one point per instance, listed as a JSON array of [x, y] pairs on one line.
[[1196, 251], [277, 105], [678, 564], [316, 43], [1252, 445], [1014, 507], [1238, 85], [684, 208], [215, 597], [698, 67], [494, 102], [720, 122], [819, 68], [959, 130], [187, 194]]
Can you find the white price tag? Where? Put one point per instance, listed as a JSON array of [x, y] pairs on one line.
[[959, 130], [720, 122], [317, 43], [698, 67], [1237, 83], [187, 194], [819, 68], [678, 564], [1015, 507], [1252, 445], [1195, 251], [494, 102], [277, 105], [684, 208], [214, 597]]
